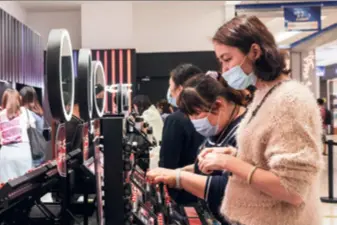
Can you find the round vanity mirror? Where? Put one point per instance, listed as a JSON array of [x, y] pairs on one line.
[[84, 85], [99, 89], [60, 74]]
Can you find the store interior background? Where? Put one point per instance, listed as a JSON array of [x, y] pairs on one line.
[[162, 34]]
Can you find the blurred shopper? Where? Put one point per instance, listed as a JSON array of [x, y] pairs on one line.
[[15, 152], [144, 107], [31, 102], [326, 121], [164, 108]]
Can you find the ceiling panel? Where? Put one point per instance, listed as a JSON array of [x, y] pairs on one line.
[[48, 5]]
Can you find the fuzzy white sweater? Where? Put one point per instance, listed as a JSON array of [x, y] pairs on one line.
[[285, 138]]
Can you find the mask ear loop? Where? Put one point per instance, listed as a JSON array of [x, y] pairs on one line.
[[244, 60]]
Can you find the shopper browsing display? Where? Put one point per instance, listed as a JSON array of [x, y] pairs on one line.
[[215, 111], [180, 141], [275, 171]]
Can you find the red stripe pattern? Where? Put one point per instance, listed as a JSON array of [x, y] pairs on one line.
[[119, 66]]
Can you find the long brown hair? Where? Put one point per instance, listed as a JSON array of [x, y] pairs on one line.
[[11, 101], [201, 91], [242, 32], [29, 100]]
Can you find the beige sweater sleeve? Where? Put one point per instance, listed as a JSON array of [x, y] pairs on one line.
[[293, 148]]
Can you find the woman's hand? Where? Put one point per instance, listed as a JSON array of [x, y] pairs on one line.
[[162, 175], [213, 161], [223, 150]]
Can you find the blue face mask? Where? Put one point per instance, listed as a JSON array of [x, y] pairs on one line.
[[238, 79], [170, 99], [205, 128]]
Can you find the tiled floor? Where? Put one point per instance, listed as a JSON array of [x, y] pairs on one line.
[[329, 210]]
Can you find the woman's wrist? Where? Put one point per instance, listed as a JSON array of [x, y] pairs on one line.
[[178, 178], [226, 161]]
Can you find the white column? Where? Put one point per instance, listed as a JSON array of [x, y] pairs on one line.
[[295, 65], [303, 67], [229, 10], [107, 25]]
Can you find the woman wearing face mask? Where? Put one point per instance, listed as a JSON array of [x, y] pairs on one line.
[[275, 171], [180, 141], [215, 112]]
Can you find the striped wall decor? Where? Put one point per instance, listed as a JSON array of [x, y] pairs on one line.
[[21, 52], [120, 67]]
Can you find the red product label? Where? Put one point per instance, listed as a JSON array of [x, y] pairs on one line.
[[61, 150], [192, 215], [160, 219], [85, 141]]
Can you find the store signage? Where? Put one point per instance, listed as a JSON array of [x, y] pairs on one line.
[[320, 71], [303, 18]]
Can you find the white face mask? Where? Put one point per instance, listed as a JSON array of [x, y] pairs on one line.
[[205, 128], [238, 79], [171, 99]]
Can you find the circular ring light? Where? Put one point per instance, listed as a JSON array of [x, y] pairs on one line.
[[99, 92], [60, 74], [85, 79]]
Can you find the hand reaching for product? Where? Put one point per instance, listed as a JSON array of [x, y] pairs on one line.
[[162, 175]]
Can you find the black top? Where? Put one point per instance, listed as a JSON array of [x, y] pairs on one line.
[[74, 133], [179, 147], [217, 182]]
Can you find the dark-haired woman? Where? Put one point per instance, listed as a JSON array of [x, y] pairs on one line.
[[15, 152], [215, 112], [180, 141], [31, 102], [164, 108], [277, 165]]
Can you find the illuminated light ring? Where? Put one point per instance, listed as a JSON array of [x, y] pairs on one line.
[[85, 79], [98, 70], [59, 45]]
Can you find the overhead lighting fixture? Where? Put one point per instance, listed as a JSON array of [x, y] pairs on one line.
[[232, 2], [282, 36]]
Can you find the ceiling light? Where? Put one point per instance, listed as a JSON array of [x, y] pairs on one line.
[[282, 36], [232, 2]]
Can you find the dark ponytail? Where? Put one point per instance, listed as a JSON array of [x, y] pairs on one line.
[[201, 91]]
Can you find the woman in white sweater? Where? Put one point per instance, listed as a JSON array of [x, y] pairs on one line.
[[144, 107]]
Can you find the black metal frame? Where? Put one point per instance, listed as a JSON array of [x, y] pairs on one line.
[[85, 79], [112, 132], [331, 198]]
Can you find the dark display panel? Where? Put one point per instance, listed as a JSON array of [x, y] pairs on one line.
[[153, 69]]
